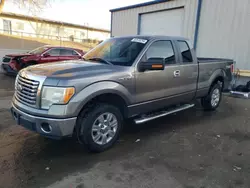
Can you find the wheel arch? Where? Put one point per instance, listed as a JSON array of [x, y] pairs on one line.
[[109, 98], [217, 76], [104, 92]]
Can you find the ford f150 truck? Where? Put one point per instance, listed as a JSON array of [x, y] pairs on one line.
[[137, 78]]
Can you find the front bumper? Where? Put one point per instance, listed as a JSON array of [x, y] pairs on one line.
[[48, 127], [7, 69]]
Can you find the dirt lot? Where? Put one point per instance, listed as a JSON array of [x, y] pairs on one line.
[[191, 149]]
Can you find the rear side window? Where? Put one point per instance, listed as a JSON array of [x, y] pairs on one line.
[[66, 52], [54, 52], [185, 52], [161, 49], [74, 52]]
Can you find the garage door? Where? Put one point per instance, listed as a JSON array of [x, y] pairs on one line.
[[169, 22]]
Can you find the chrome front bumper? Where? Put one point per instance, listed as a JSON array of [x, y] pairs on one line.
[[49, 127]]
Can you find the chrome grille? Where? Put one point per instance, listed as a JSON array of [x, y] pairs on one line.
[[26, 90]]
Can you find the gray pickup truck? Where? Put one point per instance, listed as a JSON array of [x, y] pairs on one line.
[[137, 78]]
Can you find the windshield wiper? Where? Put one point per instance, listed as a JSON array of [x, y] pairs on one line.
[[99, 60]]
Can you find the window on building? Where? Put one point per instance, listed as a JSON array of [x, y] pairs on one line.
[[7, 26], [45, 30], [185, 52], [58, 30], [71, 38], [82, 34], [20, 26], [161, 49]]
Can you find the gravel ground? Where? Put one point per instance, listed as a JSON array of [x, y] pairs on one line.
[[190, 149]]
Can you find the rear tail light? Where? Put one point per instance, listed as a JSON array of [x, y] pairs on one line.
[[232, 68]]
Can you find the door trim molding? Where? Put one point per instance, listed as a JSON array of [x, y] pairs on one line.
[[158, 99]]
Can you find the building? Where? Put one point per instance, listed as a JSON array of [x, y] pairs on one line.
[[16, 24], [217, 28]]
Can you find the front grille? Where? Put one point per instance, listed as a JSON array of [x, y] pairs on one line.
[[26, 90], [6, 59]]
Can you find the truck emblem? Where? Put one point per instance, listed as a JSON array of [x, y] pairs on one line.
[[19, 87]]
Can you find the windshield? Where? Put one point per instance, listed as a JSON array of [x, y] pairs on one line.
[[38, 50], [118, 51]]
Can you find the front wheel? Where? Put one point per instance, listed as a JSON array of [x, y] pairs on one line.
[[99, 127], [212, 100]]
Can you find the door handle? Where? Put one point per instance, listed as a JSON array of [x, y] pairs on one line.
[[177, 73]]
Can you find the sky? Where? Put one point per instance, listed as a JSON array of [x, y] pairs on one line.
[[94, 13]]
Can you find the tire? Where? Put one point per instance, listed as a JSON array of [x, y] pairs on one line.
[[89, 117], [212, 101]]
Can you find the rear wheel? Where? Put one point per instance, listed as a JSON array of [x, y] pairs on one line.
[[212, 100], [99, 127]]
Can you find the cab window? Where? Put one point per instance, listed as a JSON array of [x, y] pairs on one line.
[[185, 52], [161, 49]]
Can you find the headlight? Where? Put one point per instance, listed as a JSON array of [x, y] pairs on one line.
[[56, 95]]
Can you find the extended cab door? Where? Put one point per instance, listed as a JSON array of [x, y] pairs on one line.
[[51, 55], [189, 70], [157, 89]]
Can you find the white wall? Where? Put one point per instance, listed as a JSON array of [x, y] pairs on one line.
[[125, 22], [43, 28], [1, 23], [225, 31]]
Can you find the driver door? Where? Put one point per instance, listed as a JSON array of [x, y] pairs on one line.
[[155, 88]]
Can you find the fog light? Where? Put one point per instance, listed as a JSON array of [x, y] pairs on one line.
[[46, 128]]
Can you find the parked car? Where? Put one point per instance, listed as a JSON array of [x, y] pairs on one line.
[[137, 78], [12, 63]]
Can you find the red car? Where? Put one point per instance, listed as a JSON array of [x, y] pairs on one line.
[[12, 63]]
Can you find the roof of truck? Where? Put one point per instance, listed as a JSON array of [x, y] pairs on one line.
[[150, 37]]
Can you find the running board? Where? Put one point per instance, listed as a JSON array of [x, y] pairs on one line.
[[150, 117]]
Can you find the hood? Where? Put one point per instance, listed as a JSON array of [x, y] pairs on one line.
[[73, 69], [19, 55]]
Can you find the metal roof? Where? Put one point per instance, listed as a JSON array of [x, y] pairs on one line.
[[35, 19], [139, 5]]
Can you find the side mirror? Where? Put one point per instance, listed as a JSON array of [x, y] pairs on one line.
[[46, 55], [152, 64]]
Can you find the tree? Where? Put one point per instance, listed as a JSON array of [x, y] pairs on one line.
[[32, 6], [1, 5]]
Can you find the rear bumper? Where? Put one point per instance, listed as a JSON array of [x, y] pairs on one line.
[[7, 69], [48, 127]]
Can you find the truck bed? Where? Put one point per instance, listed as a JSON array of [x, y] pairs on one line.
[[210, 60], [207, 66]]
